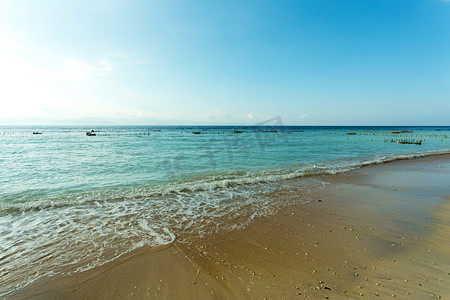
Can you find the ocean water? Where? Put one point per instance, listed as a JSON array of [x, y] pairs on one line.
[[70, 202]]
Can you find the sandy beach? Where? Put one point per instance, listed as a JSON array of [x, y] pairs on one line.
[[381, 231], [224, 150]]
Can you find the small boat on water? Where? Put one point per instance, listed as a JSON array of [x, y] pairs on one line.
[[90, 133], [35, 132], [406, 141]]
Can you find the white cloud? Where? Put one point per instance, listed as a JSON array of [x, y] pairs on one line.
[[77, 69], [303, 116], [30, 90], [74, 69], [105, 68], [216, 115], [25, 90], [131, 113]]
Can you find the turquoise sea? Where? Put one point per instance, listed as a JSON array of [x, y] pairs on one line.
[[71, 201]]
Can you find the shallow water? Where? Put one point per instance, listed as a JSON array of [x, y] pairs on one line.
[[69, 202]]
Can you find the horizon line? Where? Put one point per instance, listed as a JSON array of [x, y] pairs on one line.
[[221, 125]]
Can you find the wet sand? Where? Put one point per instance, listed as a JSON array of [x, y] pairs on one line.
[[377, 232]]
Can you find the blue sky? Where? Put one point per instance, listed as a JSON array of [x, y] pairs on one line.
[[310, 62]]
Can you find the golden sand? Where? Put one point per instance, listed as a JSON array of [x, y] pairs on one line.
[[377, 232]]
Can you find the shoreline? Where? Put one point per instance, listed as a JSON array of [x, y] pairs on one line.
[[358, 237]]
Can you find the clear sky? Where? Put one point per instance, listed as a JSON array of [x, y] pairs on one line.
[[311, 62]]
